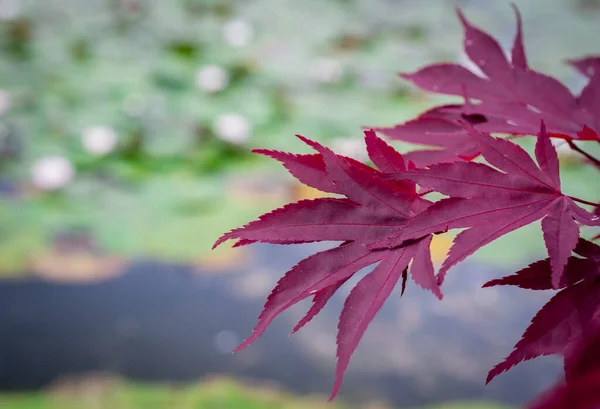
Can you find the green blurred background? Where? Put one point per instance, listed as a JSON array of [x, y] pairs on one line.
[[126, 128]]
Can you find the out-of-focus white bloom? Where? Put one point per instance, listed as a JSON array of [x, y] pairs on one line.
[[238, 33], [52, 172], [212, 78], [232, 127], [99, 139], [351, 147], [9, 9], [326, 70], [4, 101]]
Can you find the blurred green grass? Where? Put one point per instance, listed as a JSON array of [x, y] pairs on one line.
[[219, 393]]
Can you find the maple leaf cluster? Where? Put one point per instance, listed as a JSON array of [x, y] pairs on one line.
[[382, 219]]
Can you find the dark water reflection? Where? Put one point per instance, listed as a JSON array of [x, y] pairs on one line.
[[164, 322]]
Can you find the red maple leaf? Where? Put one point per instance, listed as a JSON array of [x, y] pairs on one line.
[[580, 389], [509, 98], [582, 355], [582, 393], [564, 318], [382, 221], [372, 207], [537, 276], [491, 203], [438, 127]]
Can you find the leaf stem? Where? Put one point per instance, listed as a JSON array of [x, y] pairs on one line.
[[596, 161], [585, 201]]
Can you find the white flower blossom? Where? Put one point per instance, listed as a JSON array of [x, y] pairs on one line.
[[99, 140], [52, 172], [232, 127], [212, 78], [238, 33]]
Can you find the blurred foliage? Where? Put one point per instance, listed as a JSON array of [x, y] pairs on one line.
[[218, 393], [132, 67], [142, 71]]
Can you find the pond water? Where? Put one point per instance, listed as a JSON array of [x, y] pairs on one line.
[[173, 322]]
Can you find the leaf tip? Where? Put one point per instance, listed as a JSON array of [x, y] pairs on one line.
[[220, 241], [515, 9], [370, 134], [409, 76], [336, 387], [490, 283], [303, 139], [246, 342], [461, 17], [239, 348], [543, 131], [298, 326], [313, 144], [307, 141], [495, 371]]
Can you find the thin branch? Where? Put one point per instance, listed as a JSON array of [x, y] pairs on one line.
[[585, 201], [596, 161]]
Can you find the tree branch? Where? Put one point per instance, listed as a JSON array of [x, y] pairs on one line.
[[585, 201], [595, 161]]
